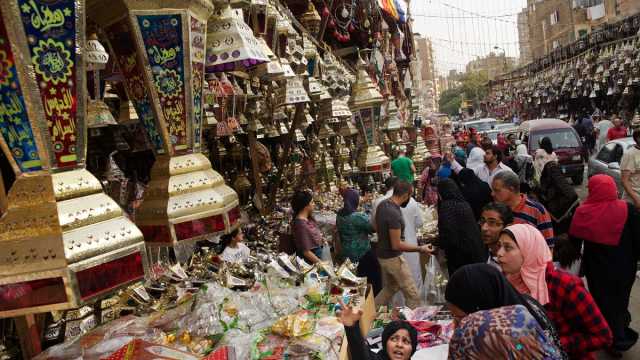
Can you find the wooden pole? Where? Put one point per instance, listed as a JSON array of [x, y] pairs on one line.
[[256, 172], [29, 334], [4, 202], [288, 140]]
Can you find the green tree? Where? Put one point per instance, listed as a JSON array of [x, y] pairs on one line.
[[473, 86], [450, 100]]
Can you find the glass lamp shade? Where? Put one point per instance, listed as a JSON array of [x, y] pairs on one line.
[[231, 44], [96, 55]]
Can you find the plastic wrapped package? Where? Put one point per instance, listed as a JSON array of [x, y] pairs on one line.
[[240, 341], [326, 340], [422, 313], [167, 320], [202, 321], [435, 283], [294, 325], [268, 347], [69, 350]]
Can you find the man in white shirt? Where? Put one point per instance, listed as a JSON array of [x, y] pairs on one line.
[[492, 165], [602, 128], [630, 167], [412, 222]]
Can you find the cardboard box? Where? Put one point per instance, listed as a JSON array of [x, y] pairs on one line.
[[368, 316]]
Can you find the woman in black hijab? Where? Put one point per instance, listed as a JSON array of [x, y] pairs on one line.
[[459, 233], [475, 191], [479, 287], [399, 338]]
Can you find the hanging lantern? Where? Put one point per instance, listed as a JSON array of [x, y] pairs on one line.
[[365, 104], [311, 19], [98, 113], [65, 242], [325, 132], [165, 41], [256, 126], [291, 92], [272, 69], [231, 44]]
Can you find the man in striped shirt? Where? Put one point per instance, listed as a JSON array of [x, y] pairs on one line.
[[506, 190]]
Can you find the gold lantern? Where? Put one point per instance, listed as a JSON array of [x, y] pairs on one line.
[[162, 43], [64, 241], [311, 19], [365, 104], [98, 113]]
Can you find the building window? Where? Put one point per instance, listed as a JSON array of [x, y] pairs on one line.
[[582, 33], [556, 44], [554, 17], [587, 3]]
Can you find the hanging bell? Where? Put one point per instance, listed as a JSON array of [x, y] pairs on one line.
[[325, 132], [99, 115]]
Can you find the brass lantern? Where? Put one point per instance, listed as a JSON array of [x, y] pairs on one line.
[[311, 19], [365, 103], [64, 241], [98, 113], [161, 45]]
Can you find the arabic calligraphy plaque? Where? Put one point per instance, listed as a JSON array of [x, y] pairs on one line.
[[50, 27], [14, 121], [162, 37]]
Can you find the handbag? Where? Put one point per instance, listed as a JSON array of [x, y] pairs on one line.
[[285, 241]]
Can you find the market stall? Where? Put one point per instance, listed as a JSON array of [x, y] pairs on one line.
[[140, 132]]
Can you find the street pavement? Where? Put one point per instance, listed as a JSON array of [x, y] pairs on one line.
[[634, 303]]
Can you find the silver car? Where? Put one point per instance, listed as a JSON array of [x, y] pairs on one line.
[[607, 160]]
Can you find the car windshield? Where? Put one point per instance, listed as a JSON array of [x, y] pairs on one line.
[[493, 136], [562, 138], [482, 126]]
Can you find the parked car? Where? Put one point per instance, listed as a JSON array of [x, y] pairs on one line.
[[567, 145], [481, 125], [607, 160], [503, 127], [493, 135]]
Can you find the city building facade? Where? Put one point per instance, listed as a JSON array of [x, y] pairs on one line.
[[429, 85], [492, 65], [548, 24]]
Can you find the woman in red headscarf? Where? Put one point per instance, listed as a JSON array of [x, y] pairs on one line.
[[608, 227]]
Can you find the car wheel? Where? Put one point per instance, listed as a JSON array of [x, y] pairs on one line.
[[577, 179]]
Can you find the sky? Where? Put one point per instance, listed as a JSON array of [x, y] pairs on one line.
[[462, 30]]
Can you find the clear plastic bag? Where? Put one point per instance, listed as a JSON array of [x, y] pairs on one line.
[[435, 283]]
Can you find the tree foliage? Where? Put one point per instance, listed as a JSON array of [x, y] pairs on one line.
[[472, 86]]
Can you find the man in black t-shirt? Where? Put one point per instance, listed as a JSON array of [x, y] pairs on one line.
[[389, 225]]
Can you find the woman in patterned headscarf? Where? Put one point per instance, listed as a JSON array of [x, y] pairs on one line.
[[508, 332]]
